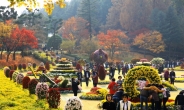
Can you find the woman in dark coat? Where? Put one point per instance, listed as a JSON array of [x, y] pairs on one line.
[[75, 86], [109, 104]]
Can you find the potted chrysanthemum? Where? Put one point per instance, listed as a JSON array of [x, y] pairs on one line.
[[73, 103]]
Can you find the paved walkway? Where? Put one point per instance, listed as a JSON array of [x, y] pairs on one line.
[[92, 104]]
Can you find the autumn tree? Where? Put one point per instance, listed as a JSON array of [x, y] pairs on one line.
[[112, 40], [67, 45], [75, 29], [5, 32], [151, 40], [88, 46], [20, 39]]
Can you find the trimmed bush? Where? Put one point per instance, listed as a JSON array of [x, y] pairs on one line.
[[101, 72], [19, 78], [24, 66], [25, 82], [32, 85], [41, 90], [6, 71], [47, 66], [14, 76], [20, 67], [15, 67], [53, 98], [34, 65], [11, 73], [10, 67], [135, 60]]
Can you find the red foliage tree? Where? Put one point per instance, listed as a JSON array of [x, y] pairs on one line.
[[20, 38]]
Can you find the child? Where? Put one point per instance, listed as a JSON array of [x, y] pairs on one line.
[[119, 81]]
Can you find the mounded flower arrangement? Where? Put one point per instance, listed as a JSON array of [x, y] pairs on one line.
[[95, 94], [73, 103]]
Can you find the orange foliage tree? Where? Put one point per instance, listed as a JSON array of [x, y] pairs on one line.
[[20, 39], [75, 28], [112, 41], [151, 40]]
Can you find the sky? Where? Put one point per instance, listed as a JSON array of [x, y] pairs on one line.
[[21, 9]]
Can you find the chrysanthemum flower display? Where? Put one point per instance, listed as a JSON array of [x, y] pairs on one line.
[[6, 71], [41, 90], [14, 76], [149, 73], [73, 103], [32, 85], [19, 78]]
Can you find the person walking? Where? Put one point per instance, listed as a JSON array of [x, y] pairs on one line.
[[172, 76], [166, 74], [109, 104], [75, 84], [119, 81], [79, 76], [94, 77], [87, 76]]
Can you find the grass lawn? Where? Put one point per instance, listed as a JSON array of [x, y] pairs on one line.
[[13, 97]]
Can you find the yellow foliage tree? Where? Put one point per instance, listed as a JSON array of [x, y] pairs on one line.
[[151, 41], [68, 45], [88, 46], [30, 4]]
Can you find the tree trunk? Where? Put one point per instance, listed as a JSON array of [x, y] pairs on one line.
[[7, 57], [22, 53], [14, 55], [1, 55]]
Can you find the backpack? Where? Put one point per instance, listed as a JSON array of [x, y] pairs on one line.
[[160, 95], [115, 87], [168, 93]]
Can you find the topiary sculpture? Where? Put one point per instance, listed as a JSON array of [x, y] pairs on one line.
[[32, 85], [14, 76], [73, 103], [34, 65], [25, 82], [15, 67], [19, 78], [24, 66], [101, 72], [53, 98], [6, 71], [11, 73], [41, 90]]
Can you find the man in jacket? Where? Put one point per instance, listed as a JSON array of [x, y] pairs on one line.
[[172, 76], [79, 76], [87, 76], [124, 104], [118, 95], [179, 100], [144, 94]]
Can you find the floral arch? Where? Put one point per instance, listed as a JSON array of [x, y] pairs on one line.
[[133, 74]]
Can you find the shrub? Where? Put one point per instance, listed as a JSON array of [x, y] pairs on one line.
[[73, 103], [34, 65], [101, 72], [25, 82], [24, 66], [15, 67], [32, 85], [41, 90], [157, 61], [14, 76], [135, 60], [6, 71], [11, 73], [20, 67], [63, 84], [47, 65], [19, 78], [53, 98]]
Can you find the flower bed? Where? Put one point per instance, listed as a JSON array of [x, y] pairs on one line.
[[101, 82], [95, 94]]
